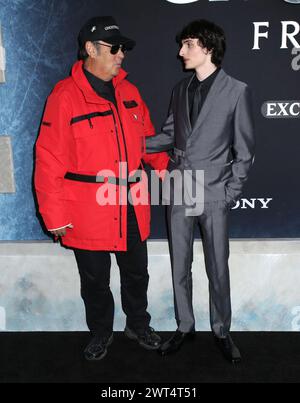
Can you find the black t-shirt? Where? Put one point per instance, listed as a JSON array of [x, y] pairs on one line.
[[205, 87]]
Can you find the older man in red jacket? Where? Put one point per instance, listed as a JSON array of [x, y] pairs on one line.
[[91, 144]]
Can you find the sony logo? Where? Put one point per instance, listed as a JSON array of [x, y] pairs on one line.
[[252, 203], [281, 109]]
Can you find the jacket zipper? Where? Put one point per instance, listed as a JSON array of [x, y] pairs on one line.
[[126, 156], [90, 122], [120, 159], [89, 117], [122, 132]]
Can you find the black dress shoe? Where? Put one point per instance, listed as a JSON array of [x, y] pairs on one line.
[[229, 349], [97, 348], [175, 342], [147, 339]]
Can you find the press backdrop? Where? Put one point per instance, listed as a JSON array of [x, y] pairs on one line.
[[40, 41]]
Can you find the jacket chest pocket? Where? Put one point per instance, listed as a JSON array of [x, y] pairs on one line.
[[90, 124], [134, 113], [92, 135]]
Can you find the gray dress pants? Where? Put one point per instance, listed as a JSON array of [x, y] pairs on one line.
[[213, 223]]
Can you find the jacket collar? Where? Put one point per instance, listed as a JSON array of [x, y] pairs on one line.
[[215, 90], [216, 87], [83, 84]]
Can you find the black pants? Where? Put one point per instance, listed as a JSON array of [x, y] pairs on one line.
[[94, 270]]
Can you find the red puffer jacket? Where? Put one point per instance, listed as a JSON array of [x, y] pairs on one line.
[[82, 133]]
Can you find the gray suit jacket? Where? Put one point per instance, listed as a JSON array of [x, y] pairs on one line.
[[221, 142]]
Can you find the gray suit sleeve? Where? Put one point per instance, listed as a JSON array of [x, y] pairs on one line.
[[163, 141], [242, 147]]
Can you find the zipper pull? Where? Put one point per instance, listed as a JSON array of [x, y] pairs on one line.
[[91, 124]]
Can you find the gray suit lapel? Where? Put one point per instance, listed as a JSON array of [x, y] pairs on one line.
[[213, 92]]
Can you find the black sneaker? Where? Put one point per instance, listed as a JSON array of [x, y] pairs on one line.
[[97, 347], [147, 339]]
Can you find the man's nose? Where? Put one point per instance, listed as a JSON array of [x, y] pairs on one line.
[[181, 51], [121, 54]]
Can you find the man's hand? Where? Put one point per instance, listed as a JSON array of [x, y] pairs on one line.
[[61, 231]]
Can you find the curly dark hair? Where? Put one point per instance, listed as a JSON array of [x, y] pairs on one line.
[[210, 35]]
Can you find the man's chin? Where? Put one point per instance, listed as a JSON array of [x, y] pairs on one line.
[[115, 72], [188, 66]]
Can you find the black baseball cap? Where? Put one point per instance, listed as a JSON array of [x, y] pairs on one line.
[[105, 29]]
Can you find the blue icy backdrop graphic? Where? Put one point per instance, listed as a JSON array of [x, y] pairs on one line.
[[37, 56]]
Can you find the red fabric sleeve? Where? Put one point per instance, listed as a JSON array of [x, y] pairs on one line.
[[52, 154], [158, 161]]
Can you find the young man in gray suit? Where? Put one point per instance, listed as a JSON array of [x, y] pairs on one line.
[[209, 128]]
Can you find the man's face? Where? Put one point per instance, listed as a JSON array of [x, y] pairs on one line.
[[193, 54], [107, 63]]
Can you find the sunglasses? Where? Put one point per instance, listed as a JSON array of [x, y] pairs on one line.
[[114, 49]]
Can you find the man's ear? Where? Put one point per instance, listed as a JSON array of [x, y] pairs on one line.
[[90, 49], [207, 52]]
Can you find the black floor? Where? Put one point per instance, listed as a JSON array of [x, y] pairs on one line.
[[56, 357]]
